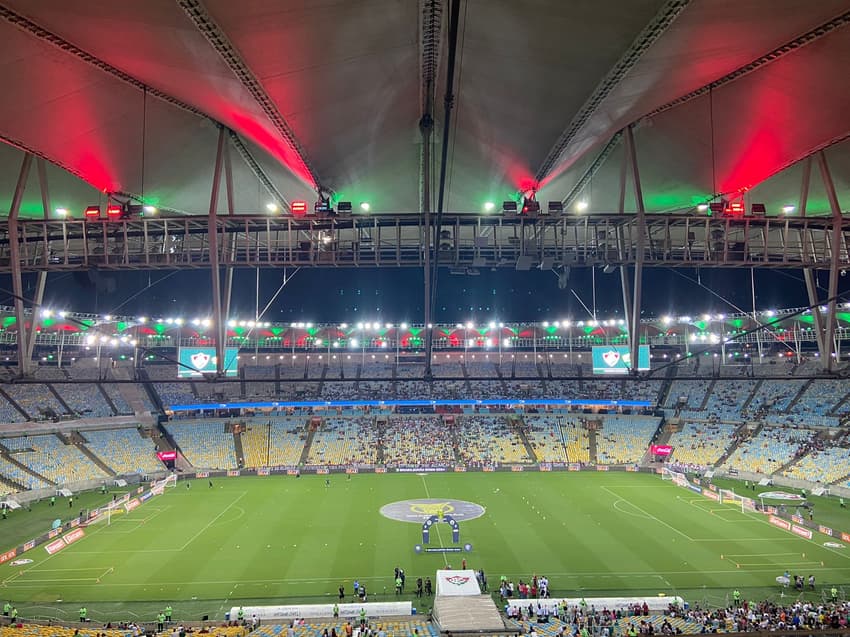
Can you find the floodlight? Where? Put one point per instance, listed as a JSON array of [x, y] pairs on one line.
[[272, 207], [703, 207], [149, 209], [509, 207], [758, 208], [489, 206], [343, 207], [530, 206], [788, 209], [582, 205], [556, 207], [92, 213], [62, 212], [365, 206]]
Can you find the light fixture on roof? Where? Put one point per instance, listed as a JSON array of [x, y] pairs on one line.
[[703, 207], [489, 206], [582, 205], [788, 208], [92, 213], [272, 207], [509, 208], [150, 209], [530, 206], [62, 212], [343, 207], [365, 206], [299, 208], [323, 207]]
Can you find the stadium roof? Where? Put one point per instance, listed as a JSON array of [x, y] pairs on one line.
[[125, 97]]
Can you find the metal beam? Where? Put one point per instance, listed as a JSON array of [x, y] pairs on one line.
[[35, 30], [804, 185], [212, 234], [215, 35], [15, 257], [431, 26], [645, 39], [834, 260], [640, 251], [817, 316]]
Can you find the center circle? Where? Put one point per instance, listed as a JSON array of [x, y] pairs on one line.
[[417, 511]]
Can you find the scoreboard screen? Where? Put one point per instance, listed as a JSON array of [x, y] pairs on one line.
[[197, 361], [615, 359]]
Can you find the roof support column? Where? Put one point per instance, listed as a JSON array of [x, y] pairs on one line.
[[834, 262], [212, 234], [228, 276], [817, 316], [632, 298], [24, 366]]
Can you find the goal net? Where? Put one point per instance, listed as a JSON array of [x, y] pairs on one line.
[[158, 486], [748, 505], [677, 477]]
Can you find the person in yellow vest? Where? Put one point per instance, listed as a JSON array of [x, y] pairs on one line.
[[7, 608], [83, 613]]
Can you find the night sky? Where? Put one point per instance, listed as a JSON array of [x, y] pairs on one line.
[[396, 295]]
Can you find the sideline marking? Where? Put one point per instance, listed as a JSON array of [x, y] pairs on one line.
[[213, 521], [649, 515]]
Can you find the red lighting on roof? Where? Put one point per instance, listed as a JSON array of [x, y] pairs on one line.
[[92, 212], [298, 207], [113, 211]]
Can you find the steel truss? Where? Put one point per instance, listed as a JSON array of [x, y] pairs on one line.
[[466, 241]]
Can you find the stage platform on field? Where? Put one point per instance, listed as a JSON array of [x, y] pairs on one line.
[[468, 613]]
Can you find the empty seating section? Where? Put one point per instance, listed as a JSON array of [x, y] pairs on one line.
[[692, 391], [489, 440], [8, 413], [84, 399], [825, 467], [769, 449], [36, 400], [701, 444], [345, 441], [205, 445], [417, 441], [117, 399], [124, 450], [549, 434], [170, 393], [624, 439], [274, 443], [481, 369], [259, 381], [727, 398], [820, 398], [48, 456], [776, 394], [19, 476], [525, 367]]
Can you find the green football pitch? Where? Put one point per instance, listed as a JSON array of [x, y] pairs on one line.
[[283, 539]]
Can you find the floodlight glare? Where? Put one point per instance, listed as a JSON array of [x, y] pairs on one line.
[[365, 206], [271, 207], [489, 206], [788, 209], [62, 212], [582, 205]]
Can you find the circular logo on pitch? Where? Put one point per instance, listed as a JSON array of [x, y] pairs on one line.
[[418, 511]]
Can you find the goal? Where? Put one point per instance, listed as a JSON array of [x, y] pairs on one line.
[[677, 477]]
